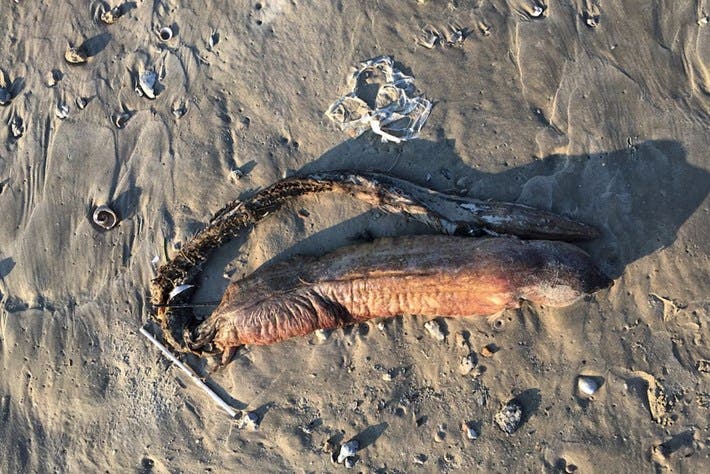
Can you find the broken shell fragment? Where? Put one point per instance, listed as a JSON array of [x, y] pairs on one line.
[[62, 111], [146, 84], [104, 217], [165, 34], [587, 386], [434, 329], [75, 55], [469, 430], [121, 119], [17, 127], [348, 450], [510, 417], [110, 17], [249, 420], [467, 364]]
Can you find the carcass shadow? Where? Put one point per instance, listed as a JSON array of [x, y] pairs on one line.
[[638, 197]]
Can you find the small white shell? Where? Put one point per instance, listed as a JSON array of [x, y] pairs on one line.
[[249, 420], [165, 34], [17, 127], [75, 55], [348, 449], [468, 362], [146, 84], [121, 119], [104, 217], [62, 111], [587, 385], [469, 431], [434, 330]]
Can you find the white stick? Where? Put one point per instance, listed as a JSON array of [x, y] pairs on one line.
[[190, 373]]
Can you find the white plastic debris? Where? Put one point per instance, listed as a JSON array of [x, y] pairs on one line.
[[382, 99]]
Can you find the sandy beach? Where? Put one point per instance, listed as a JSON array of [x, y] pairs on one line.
[[596, 110]]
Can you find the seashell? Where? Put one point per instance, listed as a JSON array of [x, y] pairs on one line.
[[349, 462], [165, 34], [17, 127], [468, 363], [75, 55], [62, 111], [537, 10], [249, 420], [348, 450], [53, 77], [590, 19], [214, 39], [146, 84], [104, 217], [489, 349], [121, 119], [111, 16], [434, 330], [469, 430], [587, 386], [5, 96], [510, 417]]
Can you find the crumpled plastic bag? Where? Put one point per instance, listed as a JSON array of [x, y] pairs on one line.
[[382, 99]]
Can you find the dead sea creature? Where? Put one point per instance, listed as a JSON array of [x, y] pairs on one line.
[[75, 55], [444, 213], [104, 217], [428, 275]]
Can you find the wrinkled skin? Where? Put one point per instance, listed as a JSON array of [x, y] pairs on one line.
[[426, 275]]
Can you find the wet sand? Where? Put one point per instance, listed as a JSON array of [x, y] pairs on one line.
[[607, 124]]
